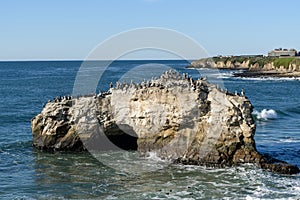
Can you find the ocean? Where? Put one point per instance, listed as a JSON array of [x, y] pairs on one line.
[[27, 173]]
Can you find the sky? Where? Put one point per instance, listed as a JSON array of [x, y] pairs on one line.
[[71, 29]]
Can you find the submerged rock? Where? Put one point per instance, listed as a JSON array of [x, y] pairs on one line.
[[180, 119]]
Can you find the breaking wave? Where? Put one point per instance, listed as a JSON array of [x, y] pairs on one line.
[[263, 78], [265, 114]]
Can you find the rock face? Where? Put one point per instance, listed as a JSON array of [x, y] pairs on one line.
[[228, 64], [181, 119]]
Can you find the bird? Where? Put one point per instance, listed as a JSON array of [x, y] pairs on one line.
[[242, 92]]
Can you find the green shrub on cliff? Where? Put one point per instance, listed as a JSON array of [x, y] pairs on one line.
[[286, 62], [260, 60]]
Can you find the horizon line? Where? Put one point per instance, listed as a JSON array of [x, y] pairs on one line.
[[82, 60], [134, 59]]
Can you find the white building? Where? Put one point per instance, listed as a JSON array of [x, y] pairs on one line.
[[283, 52]]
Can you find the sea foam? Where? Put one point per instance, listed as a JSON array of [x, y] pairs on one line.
[[265, 114]]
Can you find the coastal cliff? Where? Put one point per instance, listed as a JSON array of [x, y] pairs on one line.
[[180, 119], [253, 65]]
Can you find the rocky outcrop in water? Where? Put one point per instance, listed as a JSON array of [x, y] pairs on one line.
[[180, 119]]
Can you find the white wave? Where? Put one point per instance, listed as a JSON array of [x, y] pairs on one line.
[[269, 78], [215, 73], [296, 188], [265, 114], [289, 140], [154, 157], [225, 75]]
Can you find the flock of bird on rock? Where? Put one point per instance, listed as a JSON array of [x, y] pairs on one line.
[[154, 82]]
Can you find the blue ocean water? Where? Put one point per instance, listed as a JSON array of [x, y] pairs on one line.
[[26, 173]]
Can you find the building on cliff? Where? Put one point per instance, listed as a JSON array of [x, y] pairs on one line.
[[283, 52]]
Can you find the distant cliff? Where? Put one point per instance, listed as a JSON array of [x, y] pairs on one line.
[[180, 119], [255, 65]]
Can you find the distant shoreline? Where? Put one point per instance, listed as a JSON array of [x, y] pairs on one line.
[[253, 66]]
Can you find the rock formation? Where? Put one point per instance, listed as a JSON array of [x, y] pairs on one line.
[[184, 120], [253, 66]]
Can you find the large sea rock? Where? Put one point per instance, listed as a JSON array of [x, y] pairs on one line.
[[180, 119]]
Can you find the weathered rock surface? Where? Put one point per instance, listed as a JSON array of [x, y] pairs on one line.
[[181, 119]]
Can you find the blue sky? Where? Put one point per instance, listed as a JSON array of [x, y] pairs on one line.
[[70, 29]]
